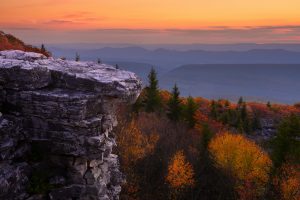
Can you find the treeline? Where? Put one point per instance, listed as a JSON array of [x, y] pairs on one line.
[[176, 108], [191, 148], [235, 116]]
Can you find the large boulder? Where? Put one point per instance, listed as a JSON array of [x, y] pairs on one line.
[[57, 126]]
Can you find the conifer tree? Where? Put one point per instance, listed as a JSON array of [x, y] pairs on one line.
[[243, 111], [241, 101], [243, 124], [255, 123], [43, 49], [77, 57], [207, 134], [99, 61], [190, 111], [213, 109], [286, 144], [152, 96], [174, 105]]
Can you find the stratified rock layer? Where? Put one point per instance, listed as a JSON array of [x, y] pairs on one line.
[[56, 128]]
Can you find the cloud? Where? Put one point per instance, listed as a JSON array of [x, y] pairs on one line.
[[56, 21], [20, 28], [214, 31], [213, 34], [82, 17]]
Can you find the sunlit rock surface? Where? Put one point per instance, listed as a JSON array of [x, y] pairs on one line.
[[56, 127]]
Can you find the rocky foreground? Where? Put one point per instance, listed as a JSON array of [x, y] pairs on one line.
[[56, 127]]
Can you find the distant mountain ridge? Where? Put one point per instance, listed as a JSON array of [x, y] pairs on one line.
[[258, 82], [170, 59], [185, 47]]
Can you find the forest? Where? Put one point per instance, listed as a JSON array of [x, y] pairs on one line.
[[173, 147]]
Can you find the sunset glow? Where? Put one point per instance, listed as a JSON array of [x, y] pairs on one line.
[[159, 16]]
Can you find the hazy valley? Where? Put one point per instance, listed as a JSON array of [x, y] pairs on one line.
[[258, 75]]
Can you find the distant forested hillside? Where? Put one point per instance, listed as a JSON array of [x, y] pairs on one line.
[[274, 82], [173, 147]]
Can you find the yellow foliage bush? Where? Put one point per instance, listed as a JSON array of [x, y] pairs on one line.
[[242, 159]]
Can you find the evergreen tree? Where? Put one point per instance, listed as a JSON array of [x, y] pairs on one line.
[[243, 112], [225, 117], [43, 49], [243, 124], [255, 123], [286, 144], [77, 57], [99, 61], [240, 102], [174, 105], [152, 96], [245, 118], [207, 135], [190, 111], [213, 110]]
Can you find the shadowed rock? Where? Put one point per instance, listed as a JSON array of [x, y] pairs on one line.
[[58, 119]]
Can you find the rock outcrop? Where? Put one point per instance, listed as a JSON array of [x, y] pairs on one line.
[[9, 42], [56, 127]]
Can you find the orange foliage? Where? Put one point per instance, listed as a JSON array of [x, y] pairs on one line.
[[165, 95], [180, 172], [202, 118], [289, 182], [133, 144], [9, 42], [243, 159], [277, 111]]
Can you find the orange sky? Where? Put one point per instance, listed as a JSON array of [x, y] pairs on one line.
[[159, 15]]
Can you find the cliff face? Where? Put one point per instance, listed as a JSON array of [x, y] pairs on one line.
[[56, 128]]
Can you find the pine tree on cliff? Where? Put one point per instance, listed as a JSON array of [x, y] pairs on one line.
[[152, 96], [77, 57], [43, 49], [174, 105], [190, 112]]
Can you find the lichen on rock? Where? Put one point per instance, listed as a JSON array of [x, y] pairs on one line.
[[58, 118]]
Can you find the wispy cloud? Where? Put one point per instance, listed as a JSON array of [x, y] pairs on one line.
[[60, 22], [213, 34]]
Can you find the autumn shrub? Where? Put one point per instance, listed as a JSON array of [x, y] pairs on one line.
[[180, 172], [133, 144], [287, 182], [244, 160], [180, 175]]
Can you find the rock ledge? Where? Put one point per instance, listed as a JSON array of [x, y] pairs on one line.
[[56, 127]]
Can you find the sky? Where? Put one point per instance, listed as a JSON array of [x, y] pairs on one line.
[[152, 21]]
